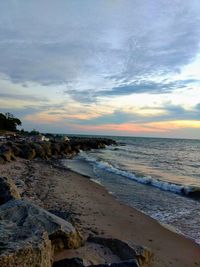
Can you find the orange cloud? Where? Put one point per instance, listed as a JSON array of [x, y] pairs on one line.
[[152, 127], [124, 127], [176, 124], [45, 117]]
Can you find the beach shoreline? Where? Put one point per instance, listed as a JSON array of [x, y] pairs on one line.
[[95, 211]]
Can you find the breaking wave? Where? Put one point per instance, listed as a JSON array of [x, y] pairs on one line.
[[190, 191]]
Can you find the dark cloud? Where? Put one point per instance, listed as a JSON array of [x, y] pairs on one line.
[[136, 87], [150, 87]]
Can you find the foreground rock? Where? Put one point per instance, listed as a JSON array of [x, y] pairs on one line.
[[73, 262], [30, 235], [8, 190], [77, 262], [20, 249], [112, 252]]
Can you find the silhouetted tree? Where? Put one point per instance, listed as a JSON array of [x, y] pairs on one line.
[[9, 122]]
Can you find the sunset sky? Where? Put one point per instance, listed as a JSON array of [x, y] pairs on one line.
[[113, 67]]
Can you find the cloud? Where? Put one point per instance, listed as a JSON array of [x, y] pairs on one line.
[[136, 87], [147, 86], [100, 62], [78, 40], [148, 115], [22, 97]]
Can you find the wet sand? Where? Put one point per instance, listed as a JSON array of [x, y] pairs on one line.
[[94, 211]]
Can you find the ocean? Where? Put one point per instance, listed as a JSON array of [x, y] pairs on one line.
[[160, 177]]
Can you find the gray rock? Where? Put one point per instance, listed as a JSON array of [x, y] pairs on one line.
[[28, 231], [8, 190], [73, 262], [20, 248], [123, 250], [129, 263]]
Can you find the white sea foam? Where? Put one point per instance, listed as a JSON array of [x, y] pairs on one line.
[[148, 180]]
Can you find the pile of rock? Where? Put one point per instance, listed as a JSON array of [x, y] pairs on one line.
[[30, 236], [47, 150]]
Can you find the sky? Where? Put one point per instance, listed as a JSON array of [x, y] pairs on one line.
[[113, 67]]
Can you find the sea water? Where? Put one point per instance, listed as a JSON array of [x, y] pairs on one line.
[[160, 177]]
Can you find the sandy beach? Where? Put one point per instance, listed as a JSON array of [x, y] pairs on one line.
[[95, 211]]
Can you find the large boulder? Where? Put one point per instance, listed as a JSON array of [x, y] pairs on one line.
[[78, 262], [73, 262], [8, 190], [134, 254], [30, 232], [22, 248], [61, 233], [121, 254], [129, 263]]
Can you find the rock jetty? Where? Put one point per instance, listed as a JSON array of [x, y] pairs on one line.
[[50, 149]]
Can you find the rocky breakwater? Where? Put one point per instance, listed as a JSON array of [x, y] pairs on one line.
[[50, 150]]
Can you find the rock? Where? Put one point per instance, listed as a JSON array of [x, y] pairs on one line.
[[8, 190], [16, 148], [39, 150], [28, 152], [2, 161], [6, 153], [78, 262], [47, 149], [129, 263], [19, 248], [56, 148], [123, 250], [74, 262], [29, 235], [53, 149], [67, 148], [61, 233]]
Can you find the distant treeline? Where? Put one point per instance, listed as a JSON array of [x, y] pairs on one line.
[[8, 122]]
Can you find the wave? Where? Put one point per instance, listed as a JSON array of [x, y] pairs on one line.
[[190, 191]]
